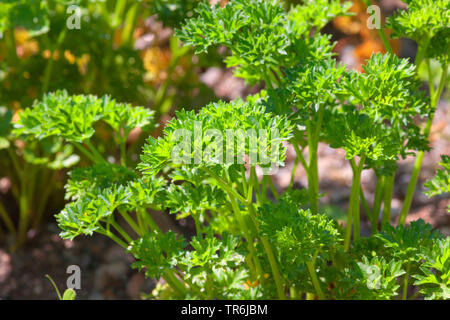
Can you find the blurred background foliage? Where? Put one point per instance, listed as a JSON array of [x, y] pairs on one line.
[[127, 49], [123, 48]]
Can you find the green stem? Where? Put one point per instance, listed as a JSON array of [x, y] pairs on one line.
[[312, 180], [15, 161], [356, 213], [94, 150], [294, 170], [270, 255], [379, 190], [421, 51], [54, 286], [140, 222], [12, 43], [274, 267], [272, 188], [198, 225], [365, 204], [313, 143], [388, 191], [24, 214], [148, 220], [7, 220], [315, 280], [247, 236], [84, 151], [293, 293], [300, 157], [131, 223], [255, 182], [121, 231], [267, 80], [48, 187], [112, 237], [49, 67], [2, 233], [130, 23], [175, 283], [163, 90], [418, 163], [381, 32], [123, 152], [118, 12], [223, 184], [353, 210], [430, 78], [263, 189], [244, 178], [405, 282]]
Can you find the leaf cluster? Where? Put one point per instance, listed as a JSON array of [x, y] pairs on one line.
[[73, 117], [97, 191], [426, 22], [440, 184], [261, 35], [203, 138], [298, 235]]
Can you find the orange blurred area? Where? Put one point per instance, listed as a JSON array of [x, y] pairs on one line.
[[26, 46], [156, 62], [364, 40]]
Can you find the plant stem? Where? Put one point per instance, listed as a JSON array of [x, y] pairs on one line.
[[49, 67], [225, 185], [430, 78], [94, 150], [7, 220], [405, 282], [175, 283], [148, 220], [379, 190], [130, 23], [254, 180], [418, 163], [293, 293], [381, 32], [244, 179], [353, 210], [24, 208], [315, 281], [110, 235], [356, 213], [86, 152], [270, 256], [13, 47], [365, 204], [294, 170], [48, 187], [388, 190], [247, 236], [131, 223], [272, 188], [274, 267], [421, 52], [54, 286], [118, 12], [313, 143], [123, 152], [121, 231], [198, 225], [300, 157]]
